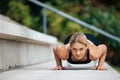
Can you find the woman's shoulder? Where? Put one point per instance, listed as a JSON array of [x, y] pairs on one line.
[[59, 47], [62, 48]]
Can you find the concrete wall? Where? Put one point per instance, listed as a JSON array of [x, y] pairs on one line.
[[21, 46]]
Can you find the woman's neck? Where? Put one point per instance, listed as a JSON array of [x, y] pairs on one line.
[[82, 59]]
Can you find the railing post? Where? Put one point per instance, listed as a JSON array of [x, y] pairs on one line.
[[44, 21]]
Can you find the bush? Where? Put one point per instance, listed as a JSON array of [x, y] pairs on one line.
[[19, 12]]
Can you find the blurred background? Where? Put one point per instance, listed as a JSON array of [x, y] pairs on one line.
[[103, 14]]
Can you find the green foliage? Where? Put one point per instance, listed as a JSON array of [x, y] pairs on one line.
[[19, 12], [36, 23], [62, 27], [106, 20], [101, 17], [72, 27], [117, 68]]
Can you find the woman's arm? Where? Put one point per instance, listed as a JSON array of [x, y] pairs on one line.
[[98, 52], [94, 51], [60, 53], [102, 57], [57, 59]]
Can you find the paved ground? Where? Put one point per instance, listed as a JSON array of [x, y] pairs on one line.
[[73, 72]]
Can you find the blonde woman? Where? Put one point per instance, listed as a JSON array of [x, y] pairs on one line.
[[80, 50]]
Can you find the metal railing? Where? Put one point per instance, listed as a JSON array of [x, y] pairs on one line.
[[72, 19]]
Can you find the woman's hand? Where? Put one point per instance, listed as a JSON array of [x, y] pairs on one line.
[[59, 68], [100, 68]]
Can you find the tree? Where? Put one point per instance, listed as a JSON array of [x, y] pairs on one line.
[[19, 12]]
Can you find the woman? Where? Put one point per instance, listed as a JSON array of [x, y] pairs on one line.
[[80, 50]]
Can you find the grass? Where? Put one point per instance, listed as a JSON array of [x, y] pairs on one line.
[[117, 68]]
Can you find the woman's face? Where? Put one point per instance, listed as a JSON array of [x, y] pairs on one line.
[[78, 50]]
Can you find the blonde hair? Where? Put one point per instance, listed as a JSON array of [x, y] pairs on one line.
[[78, 37]]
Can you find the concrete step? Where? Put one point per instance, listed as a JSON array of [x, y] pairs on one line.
[[74, 72]]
